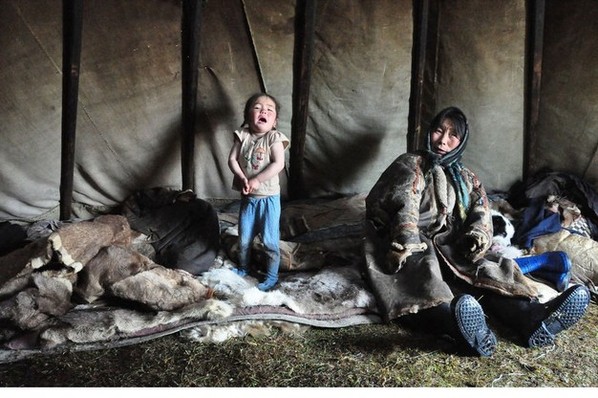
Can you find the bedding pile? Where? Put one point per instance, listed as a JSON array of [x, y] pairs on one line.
[[557, 211], [95, 284]]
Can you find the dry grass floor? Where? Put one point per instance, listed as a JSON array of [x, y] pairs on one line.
[[359, 356]]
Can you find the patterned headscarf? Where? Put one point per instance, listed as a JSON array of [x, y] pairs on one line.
[[451, 162]]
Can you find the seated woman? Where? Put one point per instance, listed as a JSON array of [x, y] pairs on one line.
[[428, 227]]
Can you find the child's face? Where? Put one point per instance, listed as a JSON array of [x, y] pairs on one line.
[[262, 116], [444, 139]]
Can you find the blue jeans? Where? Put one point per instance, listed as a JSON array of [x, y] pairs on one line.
[[260, 215]]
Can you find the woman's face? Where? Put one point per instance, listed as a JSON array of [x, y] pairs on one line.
[[444, 139]]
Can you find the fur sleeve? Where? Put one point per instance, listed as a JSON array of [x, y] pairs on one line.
[[393, 203], [479, 219]]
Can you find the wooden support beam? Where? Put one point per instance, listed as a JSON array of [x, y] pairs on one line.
[[422, 100], [304, 43], [536, 10], [190, 28], [72, 11]]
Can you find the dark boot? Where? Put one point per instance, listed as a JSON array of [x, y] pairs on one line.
[[537, 323], [463, 319], [560, 313], [471, 323]]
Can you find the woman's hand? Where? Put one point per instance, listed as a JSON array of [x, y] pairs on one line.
[[398, 254], [395, 259], [473, 245]]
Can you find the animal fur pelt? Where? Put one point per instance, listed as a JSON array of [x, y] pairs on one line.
[[218, 333], [94, 262], [96, 293], [333, 296], [581, 250], [329, 291]]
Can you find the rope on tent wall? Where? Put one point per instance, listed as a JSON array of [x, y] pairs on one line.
[[254, 49]]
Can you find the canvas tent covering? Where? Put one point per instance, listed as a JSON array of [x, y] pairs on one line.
[[363, 97]]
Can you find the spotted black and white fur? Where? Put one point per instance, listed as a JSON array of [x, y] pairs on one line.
[[503, 233]]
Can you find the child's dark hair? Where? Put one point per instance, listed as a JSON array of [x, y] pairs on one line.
[[251, 101]]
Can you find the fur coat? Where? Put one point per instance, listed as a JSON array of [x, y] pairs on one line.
[[418, 254]]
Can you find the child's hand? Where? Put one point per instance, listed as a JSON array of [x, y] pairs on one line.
[[251, 186]]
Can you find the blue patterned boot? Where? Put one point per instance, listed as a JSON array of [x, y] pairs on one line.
[[561, 313], [471, 322]]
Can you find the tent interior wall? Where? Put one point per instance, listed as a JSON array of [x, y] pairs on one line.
[[356, 91]]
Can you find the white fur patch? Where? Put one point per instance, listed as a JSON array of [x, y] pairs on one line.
[[501, 245], [331, 290], [221, 333]]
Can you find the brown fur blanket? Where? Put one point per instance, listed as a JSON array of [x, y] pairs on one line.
[[83, 263], [95, 284]]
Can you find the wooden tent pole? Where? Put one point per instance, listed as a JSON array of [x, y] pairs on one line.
[[304, 43], [422, 100], [72, 11], [190, 57], [535, 46]]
